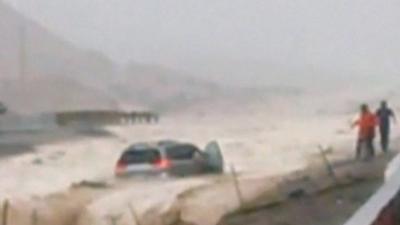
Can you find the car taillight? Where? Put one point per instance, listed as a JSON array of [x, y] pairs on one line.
[[121, 167], [163, 164]]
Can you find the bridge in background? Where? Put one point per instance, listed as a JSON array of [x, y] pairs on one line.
[[105, 117]]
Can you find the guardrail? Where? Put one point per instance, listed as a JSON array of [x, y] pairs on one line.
[[383, 208]]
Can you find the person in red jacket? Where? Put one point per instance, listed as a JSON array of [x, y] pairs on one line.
[[366, 123]]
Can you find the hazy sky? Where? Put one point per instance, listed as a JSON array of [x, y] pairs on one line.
[[232, 36]]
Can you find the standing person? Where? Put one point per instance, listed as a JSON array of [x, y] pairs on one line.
[[366, 124], [384, 114]]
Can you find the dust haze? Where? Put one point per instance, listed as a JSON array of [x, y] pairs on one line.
[[236, 42]]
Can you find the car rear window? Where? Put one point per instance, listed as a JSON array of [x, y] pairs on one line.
[[181, 152], [141, 156]]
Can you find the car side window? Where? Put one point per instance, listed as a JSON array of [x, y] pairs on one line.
[[181, 152]]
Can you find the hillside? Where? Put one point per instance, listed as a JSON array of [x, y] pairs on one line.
[[59, 75], [54, 69], [46, 53]]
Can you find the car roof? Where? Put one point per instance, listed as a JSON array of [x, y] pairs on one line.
[[168, 143], [143, 146]]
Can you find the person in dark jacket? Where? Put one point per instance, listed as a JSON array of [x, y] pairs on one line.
[[384, 115]]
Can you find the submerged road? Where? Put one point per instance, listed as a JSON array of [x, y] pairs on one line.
[[19, 141]]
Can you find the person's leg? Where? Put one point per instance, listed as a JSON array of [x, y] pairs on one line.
[[368, 148], [358, 148], [371, 146], [382, 138], [385, 139]]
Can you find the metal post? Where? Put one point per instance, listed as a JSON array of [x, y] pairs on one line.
[[113, 219], [5, 211], [328, 165], [237, 187], [134, 215], [34, 217]]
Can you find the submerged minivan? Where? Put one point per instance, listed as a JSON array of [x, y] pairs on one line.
[[169, 158]]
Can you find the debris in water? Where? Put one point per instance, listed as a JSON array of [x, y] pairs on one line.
[[91, 184], [37, 161]]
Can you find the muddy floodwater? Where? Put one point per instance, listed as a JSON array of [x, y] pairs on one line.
[[330, 208]]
